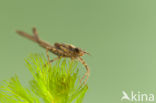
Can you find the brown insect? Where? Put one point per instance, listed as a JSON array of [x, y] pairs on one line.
[[59, 49]]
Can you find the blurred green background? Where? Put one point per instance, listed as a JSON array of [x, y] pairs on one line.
[[119, 34]]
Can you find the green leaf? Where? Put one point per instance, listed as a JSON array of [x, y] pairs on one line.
[[56, 83]]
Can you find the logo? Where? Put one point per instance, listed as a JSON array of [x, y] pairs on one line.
[[137, 97]]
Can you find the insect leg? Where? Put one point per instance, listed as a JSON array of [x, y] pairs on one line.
[[54, 59], [47, 49], [87, 68]]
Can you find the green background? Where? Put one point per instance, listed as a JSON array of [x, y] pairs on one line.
[[119, 34]]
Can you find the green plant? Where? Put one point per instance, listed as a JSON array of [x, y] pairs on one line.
[[58, 83]]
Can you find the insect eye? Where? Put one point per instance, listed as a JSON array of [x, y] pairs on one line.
[[77, 50]]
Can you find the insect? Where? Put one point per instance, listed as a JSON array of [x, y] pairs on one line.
[[60, 50]]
